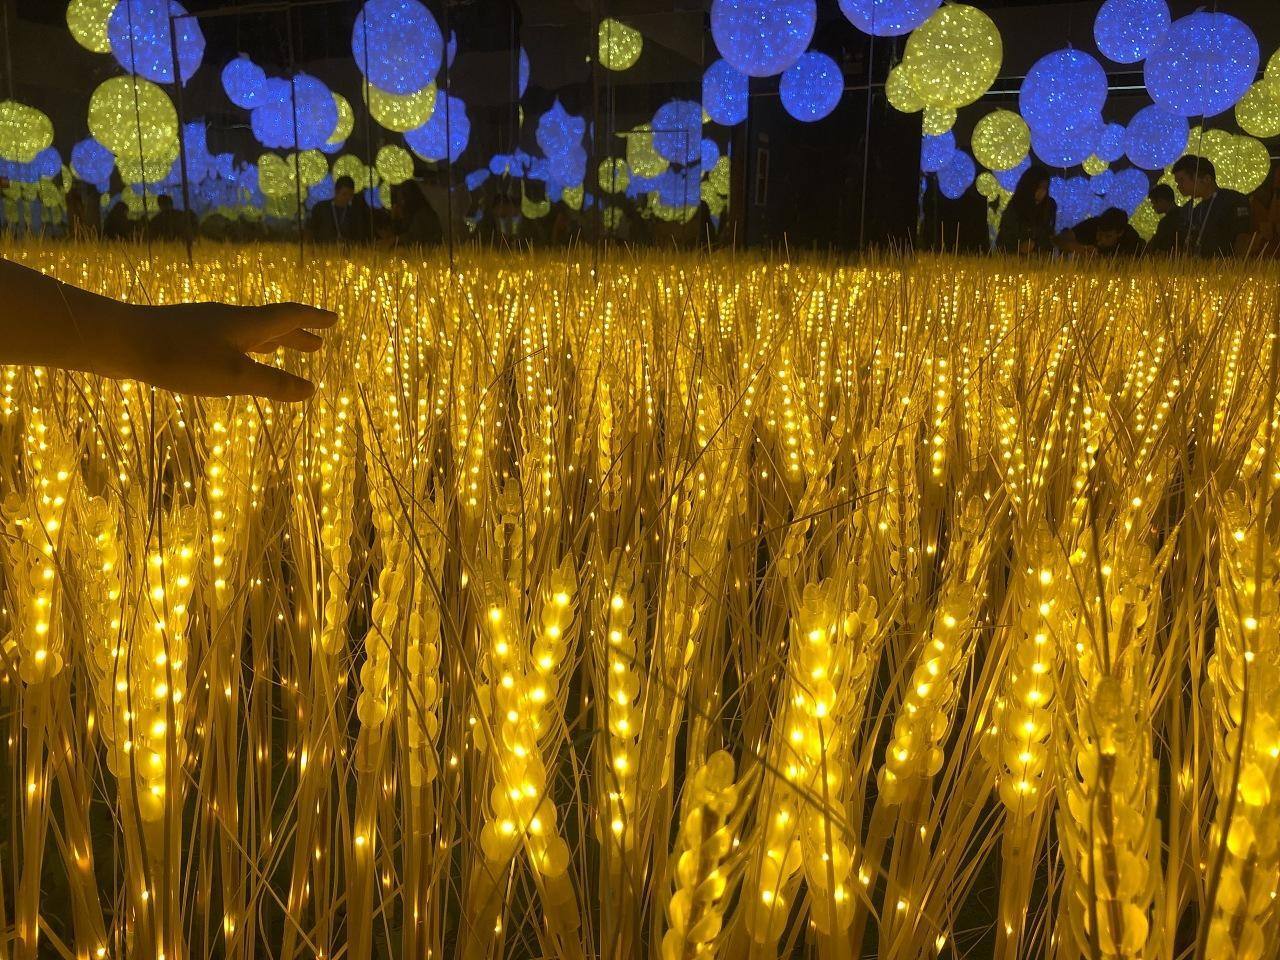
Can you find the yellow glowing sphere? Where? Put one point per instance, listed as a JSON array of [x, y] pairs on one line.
[[394, 164], [24, 131], [87, 20], [1145, 220], [1094, 165], [1242, 163], [938, 120], [954, 56], [135, 120], [533, 209], [719, 176], [1258, 112], [614, 175], [276, 176], [987, 185], [401, 113], [620, 45], [346, 120], [572, 197], [642, 158], [353, 167], [313, 166], [1001, 140], [900, 93], [612, 217], [714, 200]]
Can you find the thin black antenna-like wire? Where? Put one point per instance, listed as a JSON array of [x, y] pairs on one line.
[[297, 147], [448, 134], [182, 138], [866, 134], [137, 116]]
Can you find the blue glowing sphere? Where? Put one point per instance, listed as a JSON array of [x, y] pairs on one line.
[[677, 131], [48, 163], [1101, 183], [936, 151], [445, 135], [679, 188], [1110, 146], [91, 161], [1075, 199], [559, 131], [243, 80], [762, 38], [1009, 178], [273, 119], [1204, 64], [1127, 31], [142, 43], [476, 178], [1128, 189], [811, 87], [957, 176], [523, 71], [451, 48], [725, 91], [710, 154], [888, 18], [397, 45], [1155, 138], [1066, 146], [568, 169], [1065, 88]]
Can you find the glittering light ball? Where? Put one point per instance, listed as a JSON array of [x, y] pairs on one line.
[[1075, 198], [397, 45], [445, 135], [620, 45], [400, 113], [710, 154], [613, 175], [1258, 112], [522, 69], [957, 176], [136, 121], [1065, 146], [720, 176], [1127, 189], [725, 92], [1145, 220], [900, 93], [1001, 140], [1240, 162], [559, 132], [1110, 146], [936, 151], [953, 57], [677, 131], [887, 18], [1155, 138], [91, 161], [642, 158], [244, 82], [938, 119], [276, 176], [762, 38], [1126, 31], [315, 114], [987, 185], [1065, 88], [1008, 179], [1094, 165], [87, 20], [346, 121], [311, 166], [355, 168], [394, 164], [1204, 64], [142, 41], [24, 131], [811, 87]]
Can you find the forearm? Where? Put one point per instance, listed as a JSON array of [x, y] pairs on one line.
[[45, 322]]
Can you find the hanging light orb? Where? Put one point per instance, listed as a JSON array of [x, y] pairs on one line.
[[91, 161], [613, 175], [400, 113], [445, 135], [397, 45], [1065, 146], [987, 185], [394, 164], [1008, 179], [725, 91], [1001, 140], [1126, 31], [24, 131], [276, 176], [1065, 88], [1128, 189], [346, 121], [1204, 64], [244, 82], [1241, 163], [899, 91], [720, 176], [1155, 138], [142, 42], [1258, 111], [304, 102], [87, 20], [954, 56], [136, 121], [710, 154], [677, 131], [312, 167], [936, 152], [642, 158], [523, 70], [938, 119], [761, 38], [957, 176], [811, 87], [1094, 165], [355, 168], [1110, 145], [1145, 220], [887, 18], [620, 45]]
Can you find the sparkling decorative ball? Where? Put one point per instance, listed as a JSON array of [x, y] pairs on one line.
[[957, 176], [1204, 64], [642, 158], [24, 131], [1127, 189], [142, 42], [1008, 179], [1126, 31], [620, 45], [316, 114], [954, 56], [725, 92], [445, 135], [355, 168], [987, 185], [522, 70], [346, 121], [1065, 146], [311, 166], [398, 112], [888, 18], [936, 152], [1155, 138], [276, 176], [762, 38], [811, 87], [1094, 165], [559, 132], [1001, 140], [1240, 162], [938, 119], [710, 154], [677, 131], [613, 175], [136, 121], [394, 164], [1065, 88], [1110, 146], [244, 82], [397, 45], [91, 161], [899, 91], [1258, 111], [87, 20]]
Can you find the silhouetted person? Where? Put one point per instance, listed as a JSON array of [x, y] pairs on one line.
[[413, 221], [1219, 223], [1107, 234], [84, 211], [344, 219], [1171, 231], [1030, 219], [168, 223]]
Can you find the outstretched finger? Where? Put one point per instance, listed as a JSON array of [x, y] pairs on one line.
[[303, 340], [262, 380], [274, 319]]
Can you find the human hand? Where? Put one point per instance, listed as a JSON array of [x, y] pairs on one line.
[[203, 348]]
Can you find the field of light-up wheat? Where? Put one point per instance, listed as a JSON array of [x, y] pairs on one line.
[[653, 607]]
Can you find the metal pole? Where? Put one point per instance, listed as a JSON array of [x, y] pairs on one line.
[[182, 139]]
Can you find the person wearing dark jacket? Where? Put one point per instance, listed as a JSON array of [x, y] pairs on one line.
[[1170, 233], [1107, 234], [344, 219], [1029, 220], [1220, 222], [413, 221]]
